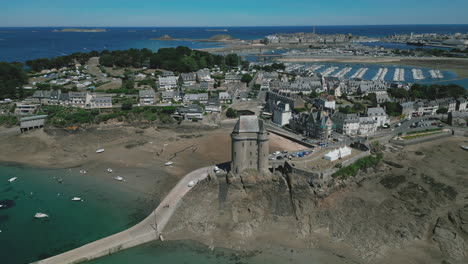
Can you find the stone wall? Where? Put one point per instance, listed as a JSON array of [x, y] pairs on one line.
[[322, 178], [420, 140]]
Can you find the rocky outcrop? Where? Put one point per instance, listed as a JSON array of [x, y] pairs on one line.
[[448, 239], [386, 208]]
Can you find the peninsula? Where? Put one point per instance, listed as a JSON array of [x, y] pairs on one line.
[[215, 38]]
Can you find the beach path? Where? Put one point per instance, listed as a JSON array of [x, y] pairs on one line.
[[147, 230]]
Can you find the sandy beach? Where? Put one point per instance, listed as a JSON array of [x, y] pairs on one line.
[[131, 151]]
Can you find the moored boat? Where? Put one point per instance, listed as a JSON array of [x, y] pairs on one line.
[[464, 147], [76, 199], [40, 215], [100, 151], [109, 170], [169, 163], [13, 179]]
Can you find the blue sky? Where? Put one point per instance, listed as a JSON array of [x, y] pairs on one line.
[[229, 13]]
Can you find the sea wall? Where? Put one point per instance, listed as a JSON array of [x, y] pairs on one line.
[[322, 178]]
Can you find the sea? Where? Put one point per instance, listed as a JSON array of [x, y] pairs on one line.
[[105, 208], [22, 44]]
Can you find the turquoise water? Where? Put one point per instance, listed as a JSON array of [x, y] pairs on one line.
[[24, 239]]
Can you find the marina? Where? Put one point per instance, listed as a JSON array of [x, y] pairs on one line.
[[359, 73], [380, 76], [399, 75], [343, 72], [436, 74], [329, 71], [418, 74]]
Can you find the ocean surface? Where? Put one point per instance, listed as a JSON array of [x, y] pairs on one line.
[[104, 211], [21, 44]]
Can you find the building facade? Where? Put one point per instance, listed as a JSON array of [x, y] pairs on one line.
[[250, 147], [281, 114]]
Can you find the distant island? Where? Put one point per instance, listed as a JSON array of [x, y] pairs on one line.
[[86, 30], [215, 38], [217, 30]]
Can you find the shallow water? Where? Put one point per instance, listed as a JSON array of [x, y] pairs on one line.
[[23, 239]]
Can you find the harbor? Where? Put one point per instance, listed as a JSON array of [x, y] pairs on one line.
[[360, 73], [418, 74], [436, 74], [329, 71], [399, 75], [380, 76], [343, 72]]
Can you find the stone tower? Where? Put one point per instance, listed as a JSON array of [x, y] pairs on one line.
[[250, 147]]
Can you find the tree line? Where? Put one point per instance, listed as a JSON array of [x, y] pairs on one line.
[[181, 59], [430, 92]]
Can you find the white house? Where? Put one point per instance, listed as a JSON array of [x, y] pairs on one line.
[[337, 154], [378, 114], [347, 124], [167, 83], [281, 114], [367, 126]]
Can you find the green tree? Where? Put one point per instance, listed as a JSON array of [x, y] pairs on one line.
[[246, 78], [442, 110], [231, 113], [232, 60]]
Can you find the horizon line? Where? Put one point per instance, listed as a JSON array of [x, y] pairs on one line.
[[235, 26]]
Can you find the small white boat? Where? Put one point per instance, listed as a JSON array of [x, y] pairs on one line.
[[100, 151], [118, 178], [40, 215], [82, 171], [109, 170], [169, 163], [464, 147], [1, 205], [76, 199], [13, 179], [191, 184]]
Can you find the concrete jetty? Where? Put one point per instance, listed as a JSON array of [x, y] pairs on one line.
[[147, 230], [359, 73], [342, 72], [399, 75], [436, 74], [380, 76], [418, 74], [329, 71]]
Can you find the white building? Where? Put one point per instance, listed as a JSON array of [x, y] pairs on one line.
[[367, 126], [347, 124], [167, 83], [378, 114], [461, 104], [281, 114], [337, 154], [204, 76], [147, 97], [94, 101]]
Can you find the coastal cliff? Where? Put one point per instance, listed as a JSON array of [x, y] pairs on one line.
[[409, 208]]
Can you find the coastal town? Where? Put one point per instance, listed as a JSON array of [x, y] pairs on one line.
[[284, 124]]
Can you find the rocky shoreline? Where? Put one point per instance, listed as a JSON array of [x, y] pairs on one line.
[[409, 209]]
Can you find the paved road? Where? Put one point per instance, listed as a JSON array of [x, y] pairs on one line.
[[143, 232]]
